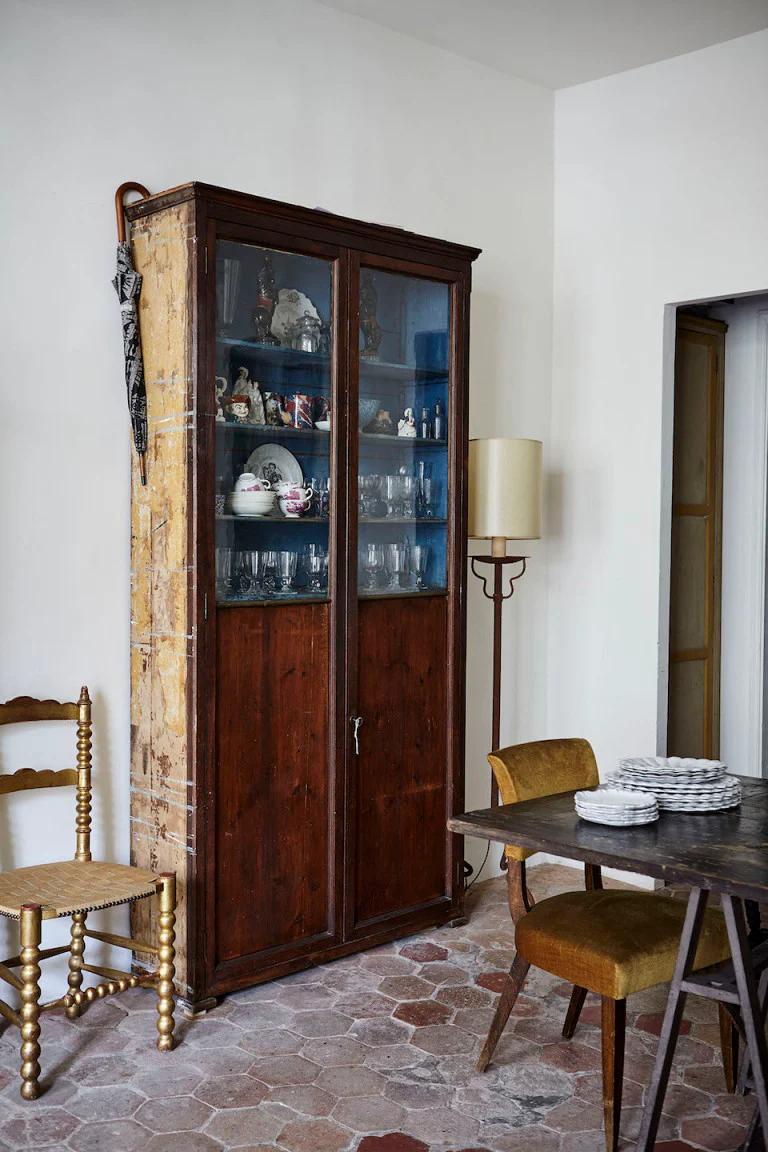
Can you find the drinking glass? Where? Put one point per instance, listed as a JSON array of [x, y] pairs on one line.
[[316, 566], [392, 494], [429, 497], [325, 498], [373, 563], [268, 571], [245, 574], [371, 495], [419, 562], [286, 570], [396, 564], [408, 496], [224, 571]]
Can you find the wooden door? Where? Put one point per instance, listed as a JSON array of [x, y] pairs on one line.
[[693, 719], [406, 605], [275, 886]]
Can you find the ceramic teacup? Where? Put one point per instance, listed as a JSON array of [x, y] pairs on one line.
[[249, 482]]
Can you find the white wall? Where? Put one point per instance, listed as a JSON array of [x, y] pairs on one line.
[[745, 451], [288, 100], [661, 182]]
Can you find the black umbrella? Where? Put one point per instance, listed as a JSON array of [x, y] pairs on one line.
[[127, 284]]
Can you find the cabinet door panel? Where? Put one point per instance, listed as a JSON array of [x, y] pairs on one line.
[[400, 772], [273, 874]]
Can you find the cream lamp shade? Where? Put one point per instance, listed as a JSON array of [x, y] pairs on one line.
[[504, 491]]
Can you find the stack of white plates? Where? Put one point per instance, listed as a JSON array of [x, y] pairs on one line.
[[620, 809], [251, 503], [679, 785]]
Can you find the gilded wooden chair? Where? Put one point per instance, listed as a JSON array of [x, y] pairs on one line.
[[612, 943], [75, 888]]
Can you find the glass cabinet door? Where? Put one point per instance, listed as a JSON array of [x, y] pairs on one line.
[[403, 435], [274, 407]]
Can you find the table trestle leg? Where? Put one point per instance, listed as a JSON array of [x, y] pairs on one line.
[[694, 919]]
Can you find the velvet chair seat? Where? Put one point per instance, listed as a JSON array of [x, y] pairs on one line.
[[614, 943]]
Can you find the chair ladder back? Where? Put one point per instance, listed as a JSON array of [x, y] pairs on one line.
[[84, 760]]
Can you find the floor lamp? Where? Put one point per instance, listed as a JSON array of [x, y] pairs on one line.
[[504, 504]]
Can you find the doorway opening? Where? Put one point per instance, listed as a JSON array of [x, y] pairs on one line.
[[713, 686]]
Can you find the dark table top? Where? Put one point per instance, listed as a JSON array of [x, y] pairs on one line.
[[724, 851]]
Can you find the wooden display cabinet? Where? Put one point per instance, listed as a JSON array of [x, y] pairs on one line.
[[297, 682]]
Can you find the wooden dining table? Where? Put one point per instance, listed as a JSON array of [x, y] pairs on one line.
[[714, 852]]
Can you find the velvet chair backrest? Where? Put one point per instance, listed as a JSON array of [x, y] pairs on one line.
[[542, 768]]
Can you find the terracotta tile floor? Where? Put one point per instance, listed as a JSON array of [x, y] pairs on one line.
[[373, 1053]]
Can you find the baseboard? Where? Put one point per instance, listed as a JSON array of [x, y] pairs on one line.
[[633, 878]]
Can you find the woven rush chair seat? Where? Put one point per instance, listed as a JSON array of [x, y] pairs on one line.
[[614, 943], [72, 886]]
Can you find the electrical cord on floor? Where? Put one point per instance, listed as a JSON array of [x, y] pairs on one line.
[[467, 865]]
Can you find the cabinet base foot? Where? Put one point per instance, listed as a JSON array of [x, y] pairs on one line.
[[193, 1009], [459, 922]]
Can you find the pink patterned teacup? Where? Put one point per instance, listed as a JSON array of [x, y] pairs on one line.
[[294, 500]]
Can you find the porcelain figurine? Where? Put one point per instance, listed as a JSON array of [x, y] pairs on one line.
[[244, 386], [381, 425], [222, 384], [406, 426], [238, 409]]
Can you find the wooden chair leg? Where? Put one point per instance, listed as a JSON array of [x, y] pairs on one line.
[[166, 956], [578, 996], [31, 923], [509, 995], [614, 1019], [76, 953], [729, 1044]]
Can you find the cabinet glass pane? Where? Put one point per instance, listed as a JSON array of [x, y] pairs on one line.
[[403, 435], [273, 412]]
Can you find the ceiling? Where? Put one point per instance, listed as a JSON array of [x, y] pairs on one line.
[[558, 43]]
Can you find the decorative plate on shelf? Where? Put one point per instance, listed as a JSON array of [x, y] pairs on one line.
[[291, 306], [274, 463]]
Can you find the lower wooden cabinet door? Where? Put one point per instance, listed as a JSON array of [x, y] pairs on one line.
[[273, 827], [399, 776]]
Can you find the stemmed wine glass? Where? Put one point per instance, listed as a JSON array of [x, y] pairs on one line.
[[396, 564], [419, 562], [373, 564]]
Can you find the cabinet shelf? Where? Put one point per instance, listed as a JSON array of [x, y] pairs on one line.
[[273, 431], [401, 593], [281, 520], [271, 601], [294, 361], [419, 520]]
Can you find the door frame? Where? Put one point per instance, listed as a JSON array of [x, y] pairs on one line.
[[756, 585]]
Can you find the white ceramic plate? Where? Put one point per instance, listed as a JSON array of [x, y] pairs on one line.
[[274, 463], [673, 765], [291, 306], [609, 797], [611, 822]]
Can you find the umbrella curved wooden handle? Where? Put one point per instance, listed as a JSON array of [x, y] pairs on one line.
[[129, 186]]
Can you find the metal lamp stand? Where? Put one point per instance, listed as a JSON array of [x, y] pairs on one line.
[[499, 594]]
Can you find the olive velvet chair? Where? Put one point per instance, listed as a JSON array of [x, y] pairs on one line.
[[74, 888], [612, 943]]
